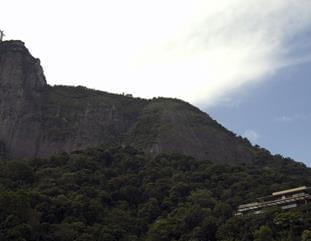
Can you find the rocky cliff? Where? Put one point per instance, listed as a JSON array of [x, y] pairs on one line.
[[21, 83], [37, 120]]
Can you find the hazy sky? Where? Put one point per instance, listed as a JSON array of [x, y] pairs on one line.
[[205, 52], [275, 114]]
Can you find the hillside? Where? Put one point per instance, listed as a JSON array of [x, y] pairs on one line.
[[121, 194], [38, 120], [79, 164]]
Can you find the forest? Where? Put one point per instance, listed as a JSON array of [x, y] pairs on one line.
[[120, 193]]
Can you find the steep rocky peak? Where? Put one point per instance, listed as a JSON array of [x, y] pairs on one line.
[[19, 70], [13, 45]]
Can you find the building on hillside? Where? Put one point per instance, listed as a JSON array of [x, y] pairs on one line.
[[285, 199]]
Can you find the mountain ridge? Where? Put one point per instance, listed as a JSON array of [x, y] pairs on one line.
[[38, 120]]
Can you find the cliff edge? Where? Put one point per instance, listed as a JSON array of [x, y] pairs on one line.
[[37, 120]]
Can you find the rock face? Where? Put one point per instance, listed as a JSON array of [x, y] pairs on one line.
[[21, 82], [37, 120]]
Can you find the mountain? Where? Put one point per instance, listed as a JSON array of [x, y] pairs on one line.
[[38, 120], [139, 170]]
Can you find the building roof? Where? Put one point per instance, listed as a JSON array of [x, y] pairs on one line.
[[247, 205], [297, 189], [275, 198]]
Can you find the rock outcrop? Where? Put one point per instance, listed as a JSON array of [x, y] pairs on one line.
[[21, 83], [37, 120]]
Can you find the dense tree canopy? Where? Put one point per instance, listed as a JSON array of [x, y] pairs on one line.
[[122, 194]]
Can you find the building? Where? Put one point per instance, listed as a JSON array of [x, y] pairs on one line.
[[285, 199]]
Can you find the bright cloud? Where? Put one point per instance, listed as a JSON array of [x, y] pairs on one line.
[[251, 135], [198, 50]]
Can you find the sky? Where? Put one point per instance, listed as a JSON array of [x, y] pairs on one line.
[[246, 63], [275, 115]]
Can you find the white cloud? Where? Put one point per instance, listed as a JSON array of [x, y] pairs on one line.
[[284, 119], [196, 50], [251, 135], [291, 118]]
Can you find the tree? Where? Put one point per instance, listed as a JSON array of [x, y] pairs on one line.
[[264, 233], [20, 172], [306, 235]]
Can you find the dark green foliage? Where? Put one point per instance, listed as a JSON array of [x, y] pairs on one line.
[[122, 194], [263, 233], [19, 172]]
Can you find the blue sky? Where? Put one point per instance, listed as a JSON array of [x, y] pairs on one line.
[[275, 114]]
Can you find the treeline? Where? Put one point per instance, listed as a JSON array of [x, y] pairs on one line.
[[121, 194]]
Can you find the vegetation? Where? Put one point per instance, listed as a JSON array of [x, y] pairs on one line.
[[122, 194]]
